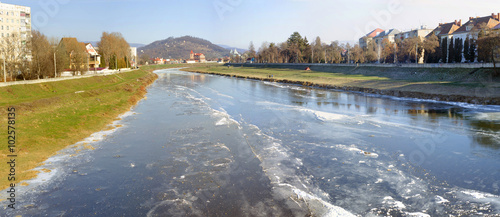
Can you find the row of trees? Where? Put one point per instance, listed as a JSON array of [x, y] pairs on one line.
[[114, 51], [38, 56], [429, 50]]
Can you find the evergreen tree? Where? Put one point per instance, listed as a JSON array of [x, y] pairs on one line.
[[451, 51], [103, 63], [444, 50], [472, 50], [458, 50], [466, 49]]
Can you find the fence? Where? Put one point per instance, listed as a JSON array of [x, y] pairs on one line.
[[426, 65]]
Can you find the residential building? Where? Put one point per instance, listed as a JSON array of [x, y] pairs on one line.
[[133, 56], [389, 34], [421, 32], [365, 40], [472, 28], [445, 30], [497, 28], [80, 56], [94, 57], [197, 57], [158, 60], [15, 19]]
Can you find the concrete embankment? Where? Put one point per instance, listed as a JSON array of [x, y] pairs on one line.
[[475, 86]]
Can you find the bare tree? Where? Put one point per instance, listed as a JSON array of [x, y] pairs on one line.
[[42, 58], [15, 51]]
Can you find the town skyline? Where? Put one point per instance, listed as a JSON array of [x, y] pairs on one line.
[[237, 23]]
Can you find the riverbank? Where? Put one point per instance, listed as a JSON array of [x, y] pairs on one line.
[[53, 115], [476, 86]]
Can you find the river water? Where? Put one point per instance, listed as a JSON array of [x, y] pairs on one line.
[[205, 145]]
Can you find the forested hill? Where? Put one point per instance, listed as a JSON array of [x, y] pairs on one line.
[[181, 47]]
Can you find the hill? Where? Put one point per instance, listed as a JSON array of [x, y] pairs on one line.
[[94, 43], [180, 48]]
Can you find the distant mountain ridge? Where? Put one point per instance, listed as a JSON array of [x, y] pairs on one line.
[[240, 50], [94, 43], [180, 48]]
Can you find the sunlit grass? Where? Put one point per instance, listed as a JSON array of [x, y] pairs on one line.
[[461, 81], [53, 115]]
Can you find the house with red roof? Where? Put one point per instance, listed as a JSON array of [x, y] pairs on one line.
[[365, 40], [158, 60], [94, 57], [79, 54], [472, 28], [445, 30], [197, 57]]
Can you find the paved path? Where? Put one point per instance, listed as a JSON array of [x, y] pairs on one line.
[[89, 74]]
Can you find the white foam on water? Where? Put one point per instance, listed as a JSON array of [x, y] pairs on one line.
[[325, 116], [417, 214], [480, 195], [440, 199], [326, 209], [394, 203]]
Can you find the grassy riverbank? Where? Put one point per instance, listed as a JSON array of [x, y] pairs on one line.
[[53, 115], [463, 85]]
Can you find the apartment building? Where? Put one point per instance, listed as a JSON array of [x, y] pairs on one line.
[[15, 19]]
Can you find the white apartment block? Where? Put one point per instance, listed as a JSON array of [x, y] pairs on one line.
[[15, 19]]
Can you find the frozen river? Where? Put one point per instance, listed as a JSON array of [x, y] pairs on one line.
[[203, 145]]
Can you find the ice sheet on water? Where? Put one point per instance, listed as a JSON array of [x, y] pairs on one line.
[[488, 116], [325, 116], [281, 168]]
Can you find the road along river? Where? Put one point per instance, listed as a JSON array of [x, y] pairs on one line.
[[204, 145]]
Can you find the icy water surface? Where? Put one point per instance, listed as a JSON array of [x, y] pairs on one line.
[[205, 145]]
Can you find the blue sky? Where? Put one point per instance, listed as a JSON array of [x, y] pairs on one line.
[[237, 22]]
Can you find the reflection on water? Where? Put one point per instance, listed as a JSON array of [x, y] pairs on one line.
[[204, 145], [487, 133]]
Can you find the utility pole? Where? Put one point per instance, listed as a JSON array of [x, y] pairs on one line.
[[55, 63], [4, 70], [395, 53], [348, 56], [416, 53], [312, 49]]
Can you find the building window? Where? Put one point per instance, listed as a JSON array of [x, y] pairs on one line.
[[7, 13], [7, 27]]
